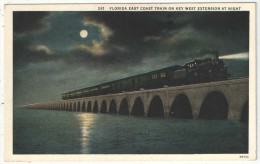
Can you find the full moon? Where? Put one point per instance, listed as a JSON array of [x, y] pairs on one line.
[[83, 33]]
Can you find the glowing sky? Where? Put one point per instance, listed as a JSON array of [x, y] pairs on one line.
[[50, 56]]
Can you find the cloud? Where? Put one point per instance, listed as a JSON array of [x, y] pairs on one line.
[[42, 48], [96, 48], [104, 30], [152, 38], [28, 21], [180, 35]]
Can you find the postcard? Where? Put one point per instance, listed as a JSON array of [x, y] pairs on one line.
[[102, 82]]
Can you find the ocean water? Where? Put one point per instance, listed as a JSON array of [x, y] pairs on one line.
[[59, 132]]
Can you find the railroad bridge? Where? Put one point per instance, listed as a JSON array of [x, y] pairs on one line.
[[213, 100]]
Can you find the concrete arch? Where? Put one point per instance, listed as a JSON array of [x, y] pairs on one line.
[[83, 107], [138, 107], [103, 108], [89, 106], [112, 107], [95, 107], [245, 113], [181, 107], [214, 106], [156, 107], [124, 109]]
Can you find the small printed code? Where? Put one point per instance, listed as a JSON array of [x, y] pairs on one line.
[[244, 156]]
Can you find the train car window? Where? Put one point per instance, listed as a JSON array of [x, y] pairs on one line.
[[163, 75], [154, 76]]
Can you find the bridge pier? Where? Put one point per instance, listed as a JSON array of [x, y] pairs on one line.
[[196, 100]]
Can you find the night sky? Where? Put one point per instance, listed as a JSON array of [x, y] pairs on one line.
[[50, 57]]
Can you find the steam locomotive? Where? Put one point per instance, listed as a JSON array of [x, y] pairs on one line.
[[197, 71]]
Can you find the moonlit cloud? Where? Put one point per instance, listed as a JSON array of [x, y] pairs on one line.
[[96, 49], [152, 38], [186, 33], [105, 31], [42, 48]]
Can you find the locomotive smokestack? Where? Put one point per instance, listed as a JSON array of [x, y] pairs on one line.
[[217, 55]]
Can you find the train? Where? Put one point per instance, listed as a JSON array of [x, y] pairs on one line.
[[197, 71]]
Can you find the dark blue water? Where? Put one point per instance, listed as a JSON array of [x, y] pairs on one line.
[[55, 132]]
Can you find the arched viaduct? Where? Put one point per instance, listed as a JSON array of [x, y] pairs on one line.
[[214, 100]]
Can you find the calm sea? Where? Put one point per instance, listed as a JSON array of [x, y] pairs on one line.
[[55, 132]]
